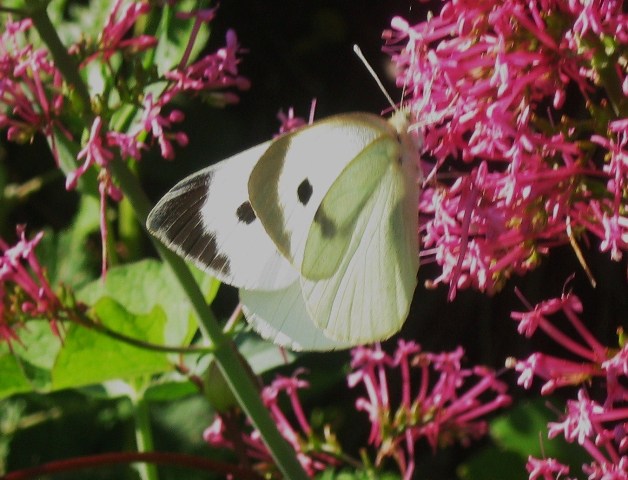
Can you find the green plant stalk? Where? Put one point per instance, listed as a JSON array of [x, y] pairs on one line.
[[225, 351], [144, 437], [67, 65], [129, 230]]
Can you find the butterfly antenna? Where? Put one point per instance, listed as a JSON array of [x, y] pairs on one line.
[[361, 56]]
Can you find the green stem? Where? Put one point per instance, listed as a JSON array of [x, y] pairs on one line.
[[225, 352], [82, 319], [64, 62], [129, 230], [144, 437]]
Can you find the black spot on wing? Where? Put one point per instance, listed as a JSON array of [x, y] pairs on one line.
[[245, 213], [328, 228], [178, 222], [304, 191]]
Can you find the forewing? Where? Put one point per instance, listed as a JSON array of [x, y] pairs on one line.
[[368, 296], [295, 173], [207, 219], [335, 220]]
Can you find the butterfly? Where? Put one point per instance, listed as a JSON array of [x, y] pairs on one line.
[[318, 229]]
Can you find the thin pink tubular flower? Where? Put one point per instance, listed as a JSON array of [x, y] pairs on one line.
[[24, 289], [442, 410], [488, 83], [289, 122], [546, 469], [211, 73], [594, 359], [601, 431], [310, 452], [95, 153], [114, 36], [30, 87], [158, 125], [600, 427]]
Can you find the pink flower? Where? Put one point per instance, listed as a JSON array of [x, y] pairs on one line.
[[599, 426], [214, 72], [24, 289], [115, 34], [557, 372], [596, 360], [94, 153], [289, 122], [313, 453], [546, 469], [488, 83], [614, 223], [158, 125], [30, 86], [442, 411], [591, 424]]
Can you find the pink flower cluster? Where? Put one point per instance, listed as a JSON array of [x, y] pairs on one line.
[[30, 86], [601, 428], [212, 72], [523, 106], [24, 289], [32, 93], [311, 451], [444, 405]]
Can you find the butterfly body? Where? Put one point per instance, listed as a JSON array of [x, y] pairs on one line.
[[318, 229]]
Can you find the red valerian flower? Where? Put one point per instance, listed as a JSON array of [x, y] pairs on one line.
[[314, 454], [31, 96], [546, 469], [599, 426], [115, 33], [512, 172], [445, 405], [24, 289]]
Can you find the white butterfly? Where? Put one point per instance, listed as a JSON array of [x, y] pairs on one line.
[[317, 228]]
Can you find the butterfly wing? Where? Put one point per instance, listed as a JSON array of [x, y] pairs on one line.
[[207, 219], [364, 295], [292, 177], [282, 317]]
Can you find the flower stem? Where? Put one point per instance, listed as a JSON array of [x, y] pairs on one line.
[[144, 437], [66, 64]]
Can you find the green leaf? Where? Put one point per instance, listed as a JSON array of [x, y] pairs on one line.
[[37, 358], [82, 21], [170, 387], [141, 286], [12, 378], [494, 464], [90, 357], [174, 33], [261, 354], [42, 345], [523, 430], [64, 254]]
